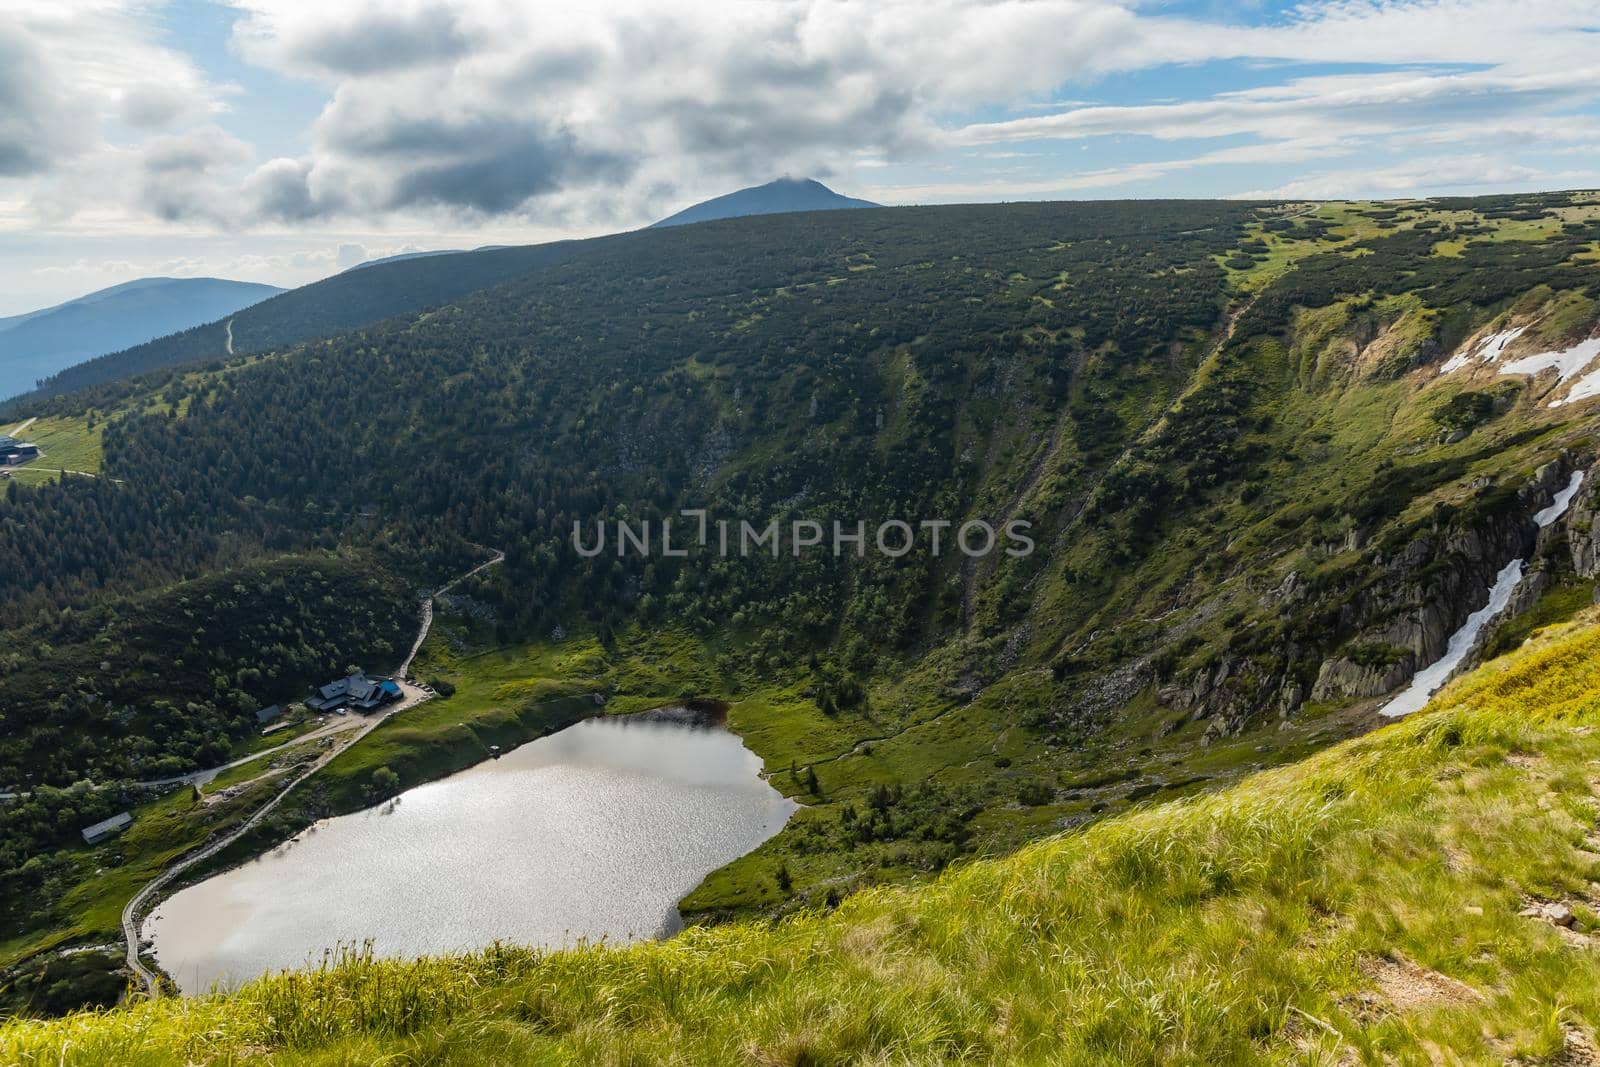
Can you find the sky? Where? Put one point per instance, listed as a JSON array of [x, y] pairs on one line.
[[282, 140]]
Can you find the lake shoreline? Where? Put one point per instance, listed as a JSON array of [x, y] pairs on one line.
[[633, 803], [697, 712], [435, 763]]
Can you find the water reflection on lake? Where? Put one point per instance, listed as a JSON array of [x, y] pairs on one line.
[[596, 831]]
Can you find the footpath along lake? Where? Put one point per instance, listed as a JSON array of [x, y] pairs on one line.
[[596, 831]]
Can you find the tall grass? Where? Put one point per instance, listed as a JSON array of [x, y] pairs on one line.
[[1237, 927]]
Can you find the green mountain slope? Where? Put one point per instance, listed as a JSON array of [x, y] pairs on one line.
[[1422, 894], [1260, 503], [354, 299]]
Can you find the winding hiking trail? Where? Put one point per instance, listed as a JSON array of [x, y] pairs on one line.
[[427, 606], [201, 777], [134, 911], [340, 725], [227, 340], [55, 470]]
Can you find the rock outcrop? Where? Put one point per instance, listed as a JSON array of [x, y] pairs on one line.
[[1402, 616], [1340, 678], [1582, 526]]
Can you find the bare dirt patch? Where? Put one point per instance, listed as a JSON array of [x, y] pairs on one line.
[[1408, 986]]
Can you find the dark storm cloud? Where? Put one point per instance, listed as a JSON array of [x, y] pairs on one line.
[[408, 135], [760, 126], [547, 71], [499, 173], [472, 166]]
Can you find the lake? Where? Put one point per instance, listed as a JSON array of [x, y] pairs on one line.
[[593, 832]]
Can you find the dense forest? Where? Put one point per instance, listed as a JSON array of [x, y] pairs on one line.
[[150, 685], [637, 361]]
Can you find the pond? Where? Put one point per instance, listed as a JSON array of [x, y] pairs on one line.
[[593, 832]]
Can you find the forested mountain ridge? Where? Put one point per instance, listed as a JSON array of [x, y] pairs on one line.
[[353, 299], [45, 342], [1062, 366], [1259, 498]]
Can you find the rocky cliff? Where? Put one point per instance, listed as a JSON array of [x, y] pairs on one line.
[[1399, 615]]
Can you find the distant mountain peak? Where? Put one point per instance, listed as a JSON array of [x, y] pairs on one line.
[[775, 197]]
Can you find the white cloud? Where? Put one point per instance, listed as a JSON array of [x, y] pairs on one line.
[[92, 65], [1388, 104], [604, 111], [1111, 178], [1435, 175], [80, 83], [549, 119], [357, 39], [185, 175], [614, 111], [157, 105]]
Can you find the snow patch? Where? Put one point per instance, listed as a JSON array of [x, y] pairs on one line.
[[1566, 363], [1563, 500], [1588, 386], [1486, 350], [1432, 679]]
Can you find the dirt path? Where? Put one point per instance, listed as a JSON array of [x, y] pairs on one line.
[[339, 725], [427, 608], [857, 747], [134, 911], [208, 799], [33, 468], [22, 428], [228, 339]]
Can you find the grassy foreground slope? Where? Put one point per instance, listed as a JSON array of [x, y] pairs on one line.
[[1366, 905]]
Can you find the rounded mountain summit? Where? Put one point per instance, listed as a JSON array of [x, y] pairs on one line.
[[785, 194]]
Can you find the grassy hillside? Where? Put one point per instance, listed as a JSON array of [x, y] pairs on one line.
[[1388, 900], [66, 444]]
